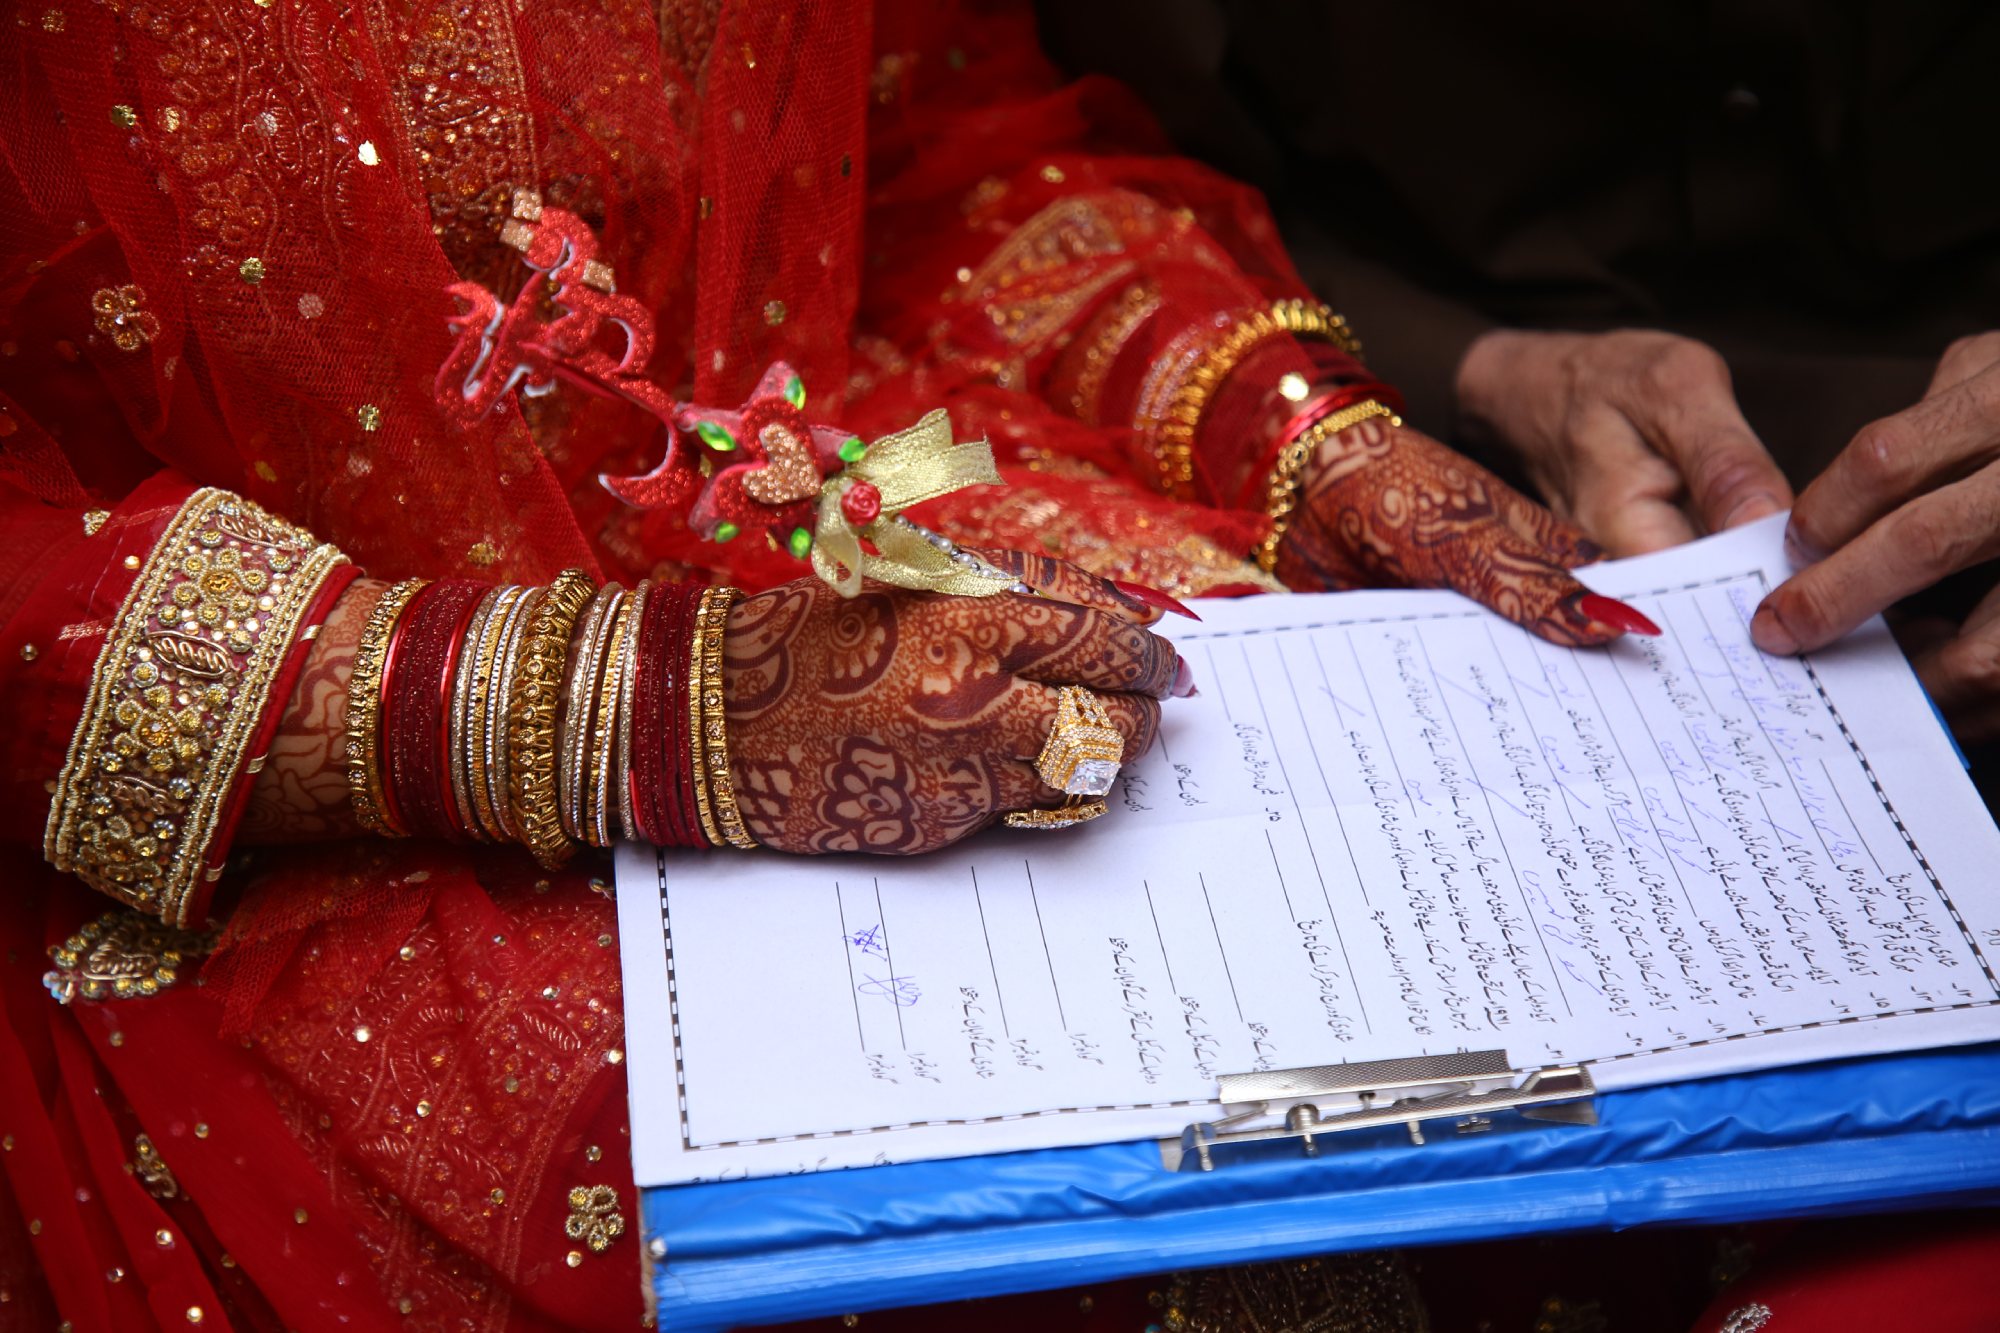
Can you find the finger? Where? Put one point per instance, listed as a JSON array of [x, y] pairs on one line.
[[1625, 494], [1962, 676], [1028, 713], [1535, 524], [1730, 476], [1062, 581], [1094, 648], [1889, 461], [1964, 359], [1685, 405], [1490, 563], [1938, 533]]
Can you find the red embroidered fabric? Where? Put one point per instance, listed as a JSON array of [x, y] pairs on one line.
[[229, 234]]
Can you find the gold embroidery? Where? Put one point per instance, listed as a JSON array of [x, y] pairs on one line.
[[122, 955], [593, 1217], [177, 692], [122, 313], [152, 1171]]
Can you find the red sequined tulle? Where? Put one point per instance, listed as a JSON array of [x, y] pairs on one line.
[[227, 235]]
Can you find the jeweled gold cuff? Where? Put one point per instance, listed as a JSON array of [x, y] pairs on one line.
[[715, 787], [533, 805], [1281, 492], [177, 694]]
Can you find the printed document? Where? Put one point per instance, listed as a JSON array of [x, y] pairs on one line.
[[1390, 824]]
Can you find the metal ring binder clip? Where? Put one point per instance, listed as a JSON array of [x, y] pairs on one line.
[[1470, 1088]]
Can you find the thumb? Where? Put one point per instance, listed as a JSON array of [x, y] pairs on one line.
[[1730, 476]]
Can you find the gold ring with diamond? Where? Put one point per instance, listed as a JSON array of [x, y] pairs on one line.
[[1075, 811], [1083, 751]]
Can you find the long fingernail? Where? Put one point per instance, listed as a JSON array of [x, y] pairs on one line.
[[1183, 686], [1154, 598], [1612, 612], [1769, 633]]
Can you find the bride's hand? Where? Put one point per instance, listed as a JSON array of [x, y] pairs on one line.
[[1384, 506], [898, 721]]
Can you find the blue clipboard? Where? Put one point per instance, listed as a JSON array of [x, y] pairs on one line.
[[1888, 1133]]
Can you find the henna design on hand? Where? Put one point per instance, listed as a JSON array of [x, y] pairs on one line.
[[1389, 507], [900, 721], [301, 794]]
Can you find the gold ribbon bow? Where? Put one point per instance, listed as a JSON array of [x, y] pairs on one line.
[[907, 468]]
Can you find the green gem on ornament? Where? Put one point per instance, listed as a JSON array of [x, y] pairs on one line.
[[715, 436], [726, 531], [795, 392], [802, 542], [852, 450]]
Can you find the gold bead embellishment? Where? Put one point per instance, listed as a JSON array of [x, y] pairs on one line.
[[594, 1218], [368, 416], [122, 956], [1281, 491], [153, 1174], [1309, 319], [364, 711], [251, 270], [533, 803], [176, 695], [715, 787]]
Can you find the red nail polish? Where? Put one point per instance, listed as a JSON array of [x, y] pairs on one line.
[[1616, 614], [1153, 597], [1183, 686]]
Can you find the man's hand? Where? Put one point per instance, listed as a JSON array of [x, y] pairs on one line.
[[1626, 434], [1913, 498]]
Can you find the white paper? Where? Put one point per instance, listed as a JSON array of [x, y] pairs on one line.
[[1391, 824]]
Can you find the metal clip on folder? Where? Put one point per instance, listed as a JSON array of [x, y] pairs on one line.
[[1468, 1088]]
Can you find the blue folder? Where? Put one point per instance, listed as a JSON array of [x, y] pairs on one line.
[[1895, 1132]]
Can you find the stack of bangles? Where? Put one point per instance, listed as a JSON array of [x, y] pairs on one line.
[[1323, 415], [552, 717]]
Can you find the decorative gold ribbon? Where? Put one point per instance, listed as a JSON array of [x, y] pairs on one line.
[[907, 468]]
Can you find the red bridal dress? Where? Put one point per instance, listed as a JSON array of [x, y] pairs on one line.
[[264, 246], [284, 248]]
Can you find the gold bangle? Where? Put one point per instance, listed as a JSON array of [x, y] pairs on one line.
[[604, 727], [1281, 491], [476, 747], [628, 820], [498, 769], [537, 697], [579, 698], [715, 789], [467, 695], [1310, 319], [1134, 307], [364, 711], [1173, 448]]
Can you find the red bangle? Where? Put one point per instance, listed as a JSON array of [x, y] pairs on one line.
[[677, 756], [647, 776], [416, 685]]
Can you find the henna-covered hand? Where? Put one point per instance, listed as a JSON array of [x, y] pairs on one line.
[[897, 722], [1384, 506]]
